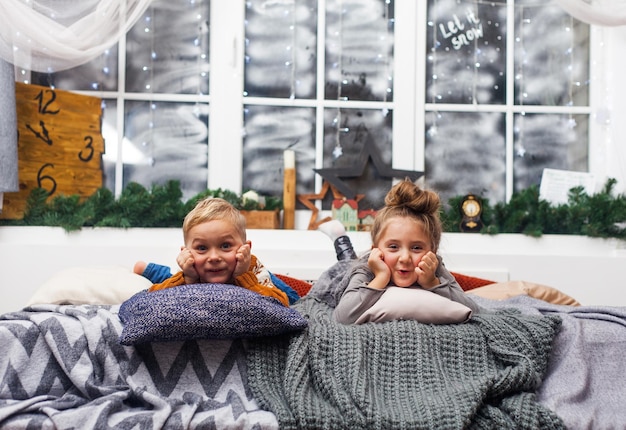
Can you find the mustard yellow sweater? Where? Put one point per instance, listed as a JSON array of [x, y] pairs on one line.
[[247, 280]]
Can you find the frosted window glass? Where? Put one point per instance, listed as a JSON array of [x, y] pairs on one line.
[[269, 131], [281, 49], [548, 141], [551, 57], [166, 141], [167, 49], [359, 50], [466, 52], [465, 153]]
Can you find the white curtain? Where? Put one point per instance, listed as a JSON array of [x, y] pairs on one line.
[[597, 12], [52, 35]]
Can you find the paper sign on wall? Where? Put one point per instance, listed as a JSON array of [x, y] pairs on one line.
[[555, 184]]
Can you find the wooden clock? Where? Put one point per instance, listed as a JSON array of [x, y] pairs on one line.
[[60, 145]]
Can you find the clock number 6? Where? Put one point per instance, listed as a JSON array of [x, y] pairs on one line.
[[41, 178]]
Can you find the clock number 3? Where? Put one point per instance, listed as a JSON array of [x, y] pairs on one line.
[[86, 154]]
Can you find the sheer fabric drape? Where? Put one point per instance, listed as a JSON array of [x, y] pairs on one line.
[[597, 12], [52, 35]]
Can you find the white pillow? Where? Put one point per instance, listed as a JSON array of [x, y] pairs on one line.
[[92, 285], [398, 303]]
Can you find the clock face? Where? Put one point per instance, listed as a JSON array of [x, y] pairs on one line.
[[471, 208]]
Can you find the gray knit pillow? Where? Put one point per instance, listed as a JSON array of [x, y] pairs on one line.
[[201, 311]]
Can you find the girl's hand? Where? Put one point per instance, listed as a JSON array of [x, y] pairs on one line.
[[243, 258], [426, 269], [382, 273], [186, 263]]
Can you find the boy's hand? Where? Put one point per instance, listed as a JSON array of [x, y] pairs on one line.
[[382, 273], [426, 269], [187, 265], [244, 259]]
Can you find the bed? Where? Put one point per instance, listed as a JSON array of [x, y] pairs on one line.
[[528, 362]]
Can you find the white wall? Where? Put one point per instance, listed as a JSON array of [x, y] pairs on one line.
[[590, 270]]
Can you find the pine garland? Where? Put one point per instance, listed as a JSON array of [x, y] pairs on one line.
[[162, 206], [600, 215]]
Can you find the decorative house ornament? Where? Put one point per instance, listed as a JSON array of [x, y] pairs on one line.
[[346, 211], [368, 152], [366, 219], [471, 209], [307, 200]]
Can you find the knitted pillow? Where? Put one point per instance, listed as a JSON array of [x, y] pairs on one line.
[[201, 311], [424, 306]]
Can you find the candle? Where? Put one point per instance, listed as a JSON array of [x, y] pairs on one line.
[[290, 159], [289, 189]]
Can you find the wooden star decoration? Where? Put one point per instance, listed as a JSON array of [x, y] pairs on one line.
[[306, 200], [368, 152]]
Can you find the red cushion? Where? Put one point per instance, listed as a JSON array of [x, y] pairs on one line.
[[466, 282], [470, 282], [301, 287]]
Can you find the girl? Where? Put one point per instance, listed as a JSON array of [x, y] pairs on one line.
[[405, 240]]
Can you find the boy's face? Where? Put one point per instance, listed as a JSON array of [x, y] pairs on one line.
[[214, 246]]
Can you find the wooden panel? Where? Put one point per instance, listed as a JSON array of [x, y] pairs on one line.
[[60, 145]]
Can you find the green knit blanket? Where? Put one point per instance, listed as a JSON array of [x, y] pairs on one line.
[[405, 375]]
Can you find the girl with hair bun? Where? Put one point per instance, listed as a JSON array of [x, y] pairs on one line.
[[405, 241]]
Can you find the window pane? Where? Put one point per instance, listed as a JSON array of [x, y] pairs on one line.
[[466, 52], [346, 134], [168, 142], [551, 57], [167, 49], [359, 50], [269, 131], [281, 45], [465, 153], [100, 74], [548, 141]]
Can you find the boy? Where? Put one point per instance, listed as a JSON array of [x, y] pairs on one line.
[[216, 251]]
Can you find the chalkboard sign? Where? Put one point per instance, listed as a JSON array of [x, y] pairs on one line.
[[60, 145]]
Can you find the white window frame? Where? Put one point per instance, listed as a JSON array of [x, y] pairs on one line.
[[409, 105], [607, 154]]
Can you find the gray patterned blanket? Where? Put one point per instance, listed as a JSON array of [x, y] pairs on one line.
[[63, 367]]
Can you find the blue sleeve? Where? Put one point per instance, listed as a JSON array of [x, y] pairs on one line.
[[156, 273], [281, 285]]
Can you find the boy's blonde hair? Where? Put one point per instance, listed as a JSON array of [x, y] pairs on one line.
[[211, 209], [407, 199]]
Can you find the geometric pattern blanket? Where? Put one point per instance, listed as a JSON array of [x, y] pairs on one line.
[[63, 367], [403, 374]]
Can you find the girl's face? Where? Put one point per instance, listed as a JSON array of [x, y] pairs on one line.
[[214, 246], [403, 243]]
